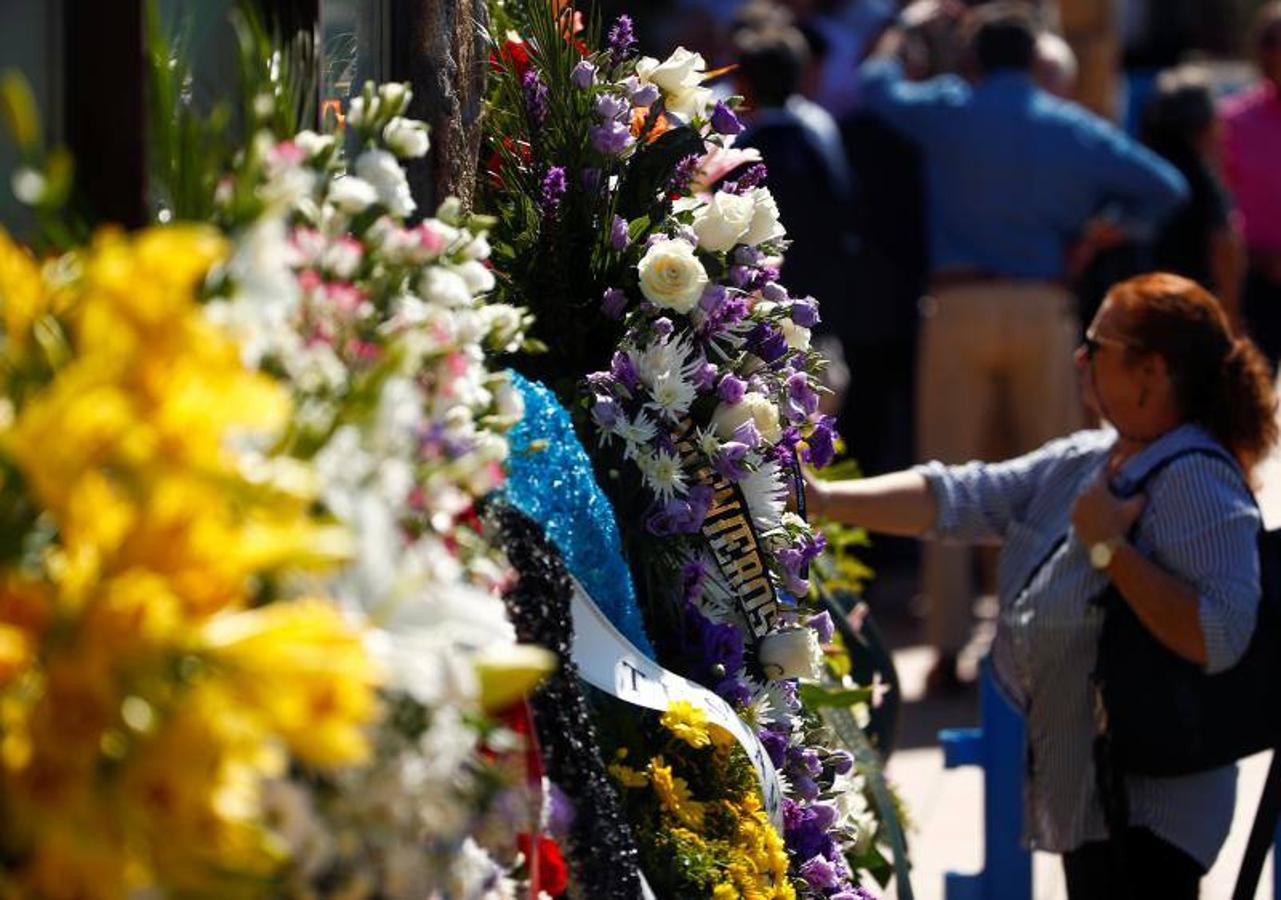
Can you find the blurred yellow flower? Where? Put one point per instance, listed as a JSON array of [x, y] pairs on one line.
[[673, 793], [688, 723]]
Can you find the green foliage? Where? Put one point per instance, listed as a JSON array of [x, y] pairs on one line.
[[45, 176]]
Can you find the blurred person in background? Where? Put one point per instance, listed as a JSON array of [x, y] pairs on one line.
[[1014, 177], [849, 28], [1252, 166], [1201, 240], [1056, 70]]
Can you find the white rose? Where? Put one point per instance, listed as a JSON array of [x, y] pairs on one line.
[[446, 288], [407, 138], [380, 169], [479, 279], [396, 95], [691, 103], [791, 653], [352, 195], [797, 337], [722, 222], [765, 225], [754, 407], [677, 74], [671, 276]]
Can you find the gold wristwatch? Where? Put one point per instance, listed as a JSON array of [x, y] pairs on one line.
[[1102, 553]]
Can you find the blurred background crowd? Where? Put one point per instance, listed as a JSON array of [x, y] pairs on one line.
[[963, 181]]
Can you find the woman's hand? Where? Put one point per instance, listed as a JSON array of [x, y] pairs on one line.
[[1100, 517]]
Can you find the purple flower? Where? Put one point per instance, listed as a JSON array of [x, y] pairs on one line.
[[774, 292], [731, 389], [619, 236], [724, 121], [611, 106], [584, 75], [823, 626], [705, 377], [767, 342], [775, 744], [820, 873], [677, 516], [753, 178], [728, 461], [663, 327], [748, 434], [734, 692], [741, 276], [693, 574], [805, 312], [535, 97], [561, 811], [622, 368], [614, 303], [824, 815], [606, 412], [622, 39], [713, 651], [612, 138], [683, 174], [554, 187], [748, 256], [803, 833], [644, 95], [591, 180], [802, 399], [821, 444], [842, 761]]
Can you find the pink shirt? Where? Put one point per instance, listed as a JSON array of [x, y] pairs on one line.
[[1252, 162]]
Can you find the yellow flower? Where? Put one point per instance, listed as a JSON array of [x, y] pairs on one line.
[[22, 293], [725, 891], [15, 652], [627, 776], [688, 723], [305, 672], [673, 793]]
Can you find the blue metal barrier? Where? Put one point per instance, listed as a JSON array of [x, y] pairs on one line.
[[998, 749]]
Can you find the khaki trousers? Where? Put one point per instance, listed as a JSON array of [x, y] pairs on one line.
[[996, 380]]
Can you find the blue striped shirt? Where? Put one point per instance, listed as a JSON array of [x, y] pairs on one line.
[[1200, 524]]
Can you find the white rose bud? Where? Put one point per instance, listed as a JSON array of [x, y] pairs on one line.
[[754, 407], [791, 653], [396, 95], [380, 169], [352, 195], [677, 74], [765, 225], [722, 222], [312, 144], [446, 288], [407, 138], [671, 276]]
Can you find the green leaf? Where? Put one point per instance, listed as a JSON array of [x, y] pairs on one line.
[[18, 109], [817, 696]]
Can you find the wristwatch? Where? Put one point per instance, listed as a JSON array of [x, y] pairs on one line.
[[1102, 553]]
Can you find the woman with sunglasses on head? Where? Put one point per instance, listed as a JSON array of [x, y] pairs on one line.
[[1161, 367]]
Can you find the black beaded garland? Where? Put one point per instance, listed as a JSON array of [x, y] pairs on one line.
[[602, 850]]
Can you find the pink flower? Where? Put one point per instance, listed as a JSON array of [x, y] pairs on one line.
[[718, 163], [287, 153]]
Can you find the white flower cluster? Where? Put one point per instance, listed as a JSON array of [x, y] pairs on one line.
[[384, 335]]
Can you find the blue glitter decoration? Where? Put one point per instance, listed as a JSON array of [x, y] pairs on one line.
[[551, 480]]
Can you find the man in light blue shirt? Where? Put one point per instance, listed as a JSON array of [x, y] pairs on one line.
[[1015, 178]]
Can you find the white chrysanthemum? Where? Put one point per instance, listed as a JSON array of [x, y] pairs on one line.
[[664, 475], [672, 396], [766, 495], [636, 433]]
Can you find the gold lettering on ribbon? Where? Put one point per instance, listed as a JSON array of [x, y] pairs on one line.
[[729, 532]]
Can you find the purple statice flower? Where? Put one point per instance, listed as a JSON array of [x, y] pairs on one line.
[[775, 743], [820, 874], [610, 107], [713, 296], [705, 376], [724, 121], [606, 412], [731, 389], [753, 178], [820, 446], [591, 180], [823, 626], [624, 370], [663, 328], [683, 174], [553, 191], [767, 342], [805, 312], [741, 276], [774, 292], [619, 235], [611, 138], [764, 276], [614, 303], [622, 39], [535, 97], [729, 461], [802, 399], [584, 75]]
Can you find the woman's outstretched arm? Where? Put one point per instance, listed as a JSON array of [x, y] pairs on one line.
[[900, 503]]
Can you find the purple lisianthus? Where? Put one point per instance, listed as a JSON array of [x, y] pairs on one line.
[[611, 106], [536, 95], [731, 389], [749, 434], [553, 191], [724, 121], [774, 292], [676, 516], [623, 369], [842, 761], [693, 575], [645, 95], [729, 461], [821, 444], [825, 815], [622, 39], [613, 303], [713, 650], [775, 744], [767, 342], [805, 312], [584, 75], [803, 833], [606, 412], [612, 138], [823, 626], [663, 327], [802, 399], [619, 235], [705, 376], [820, 873]]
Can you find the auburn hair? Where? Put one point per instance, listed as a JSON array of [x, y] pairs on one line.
[[1220, 381]]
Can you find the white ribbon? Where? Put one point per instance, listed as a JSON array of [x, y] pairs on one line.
[[610, 662]]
